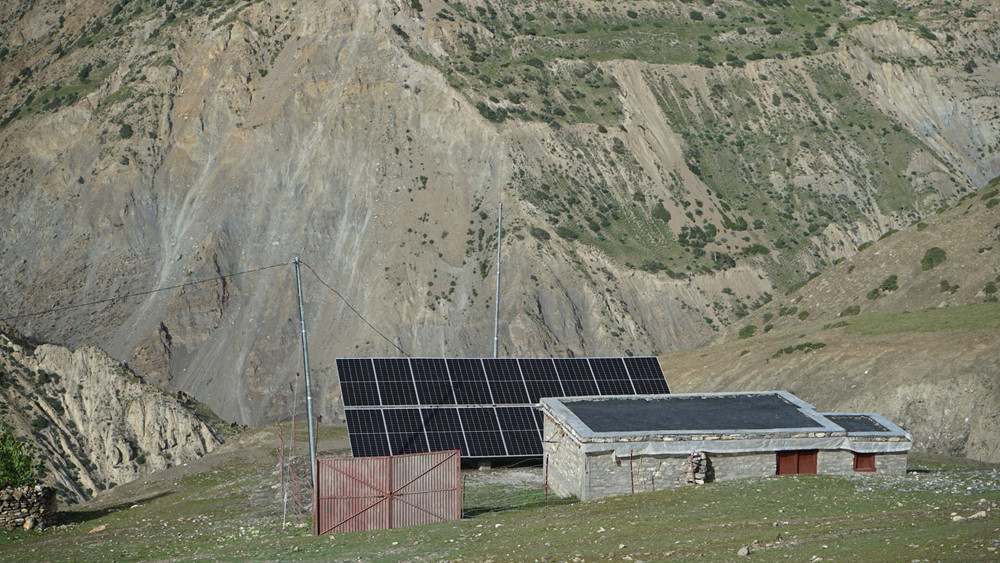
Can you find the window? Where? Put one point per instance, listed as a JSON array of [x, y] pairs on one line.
[[797, 462], [864, 463]]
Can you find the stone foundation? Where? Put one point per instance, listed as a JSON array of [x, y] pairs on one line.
[[27, 507]]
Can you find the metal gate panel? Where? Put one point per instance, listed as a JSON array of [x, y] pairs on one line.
[[372, 493]]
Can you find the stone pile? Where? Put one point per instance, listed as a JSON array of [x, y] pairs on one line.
[[27, 507], [697, 467]]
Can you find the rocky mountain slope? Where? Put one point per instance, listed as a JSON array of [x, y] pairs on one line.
[[665, 169], [909, 327], [92, 421]]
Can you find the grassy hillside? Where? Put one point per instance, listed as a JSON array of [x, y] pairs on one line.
[[226, 507], [907, 328]]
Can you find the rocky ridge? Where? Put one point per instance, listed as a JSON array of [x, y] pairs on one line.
[[93, 421], [150, 145], [885, 331]]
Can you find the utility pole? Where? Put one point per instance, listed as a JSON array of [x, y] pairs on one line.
[[496, 300], [309, 396]]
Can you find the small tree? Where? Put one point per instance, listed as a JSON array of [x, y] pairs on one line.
[[17, 466]]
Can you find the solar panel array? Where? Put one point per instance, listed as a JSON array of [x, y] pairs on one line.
[[483, 407]]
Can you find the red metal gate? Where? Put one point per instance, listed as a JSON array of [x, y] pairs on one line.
[[374, 493]]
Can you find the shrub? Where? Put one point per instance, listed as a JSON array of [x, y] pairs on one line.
[[399, 31], [567, 232], [756, 248], [889, 284], [704, 61], [747, 331], [696, 15], [874, 294], [540, 234], [125, 131], [933, 257], [17, 466], [851, 311], [660, 212]]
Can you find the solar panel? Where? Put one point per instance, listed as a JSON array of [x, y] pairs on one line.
[[469, 381], [483, 407], [477, 431], [482, 432]]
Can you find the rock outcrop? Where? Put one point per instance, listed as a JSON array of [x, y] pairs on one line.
[[649, 196], [93, 421]]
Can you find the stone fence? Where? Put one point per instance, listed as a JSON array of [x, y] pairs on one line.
[[27, 507]]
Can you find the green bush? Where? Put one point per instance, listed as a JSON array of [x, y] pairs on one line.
[[17, 466], [933, 257], [540, 234], [747, 331], [851, 311], [889, 284], [660, 212], [567, 232]]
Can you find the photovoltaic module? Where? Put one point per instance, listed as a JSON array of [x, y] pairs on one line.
[[483, 407]]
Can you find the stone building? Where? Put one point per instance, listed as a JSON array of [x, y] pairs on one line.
[[603, 446]]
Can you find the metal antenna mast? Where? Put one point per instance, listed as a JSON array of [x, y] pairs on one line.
[[309, 396], [496, 301]]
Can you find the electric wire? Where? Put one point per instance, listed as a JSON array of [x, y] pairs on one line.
[[138, 293], [14, 318], [356, 312]]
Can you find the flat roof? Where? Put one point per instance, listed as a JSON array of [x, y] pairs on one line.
[[857, 422], [764, 412]]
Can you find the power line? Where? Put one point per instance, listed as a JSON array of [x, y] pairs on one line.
[[356, 312], [197, 282], [139, 293]]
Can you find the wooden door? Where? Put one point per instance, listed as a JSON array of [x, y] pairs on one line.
[[788, 463], [807, 461]]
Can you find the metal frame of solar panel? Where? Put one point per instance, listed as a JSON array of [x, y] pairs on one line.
[[485, 407]]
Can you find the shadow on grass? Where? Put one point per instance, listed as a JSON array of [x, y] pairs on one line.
[[474, 511], [81, 516]]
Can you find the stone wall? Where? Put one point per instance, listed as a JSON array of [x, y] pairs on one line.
[[564, 460], [27, 507], [841, 462], [600, 474]]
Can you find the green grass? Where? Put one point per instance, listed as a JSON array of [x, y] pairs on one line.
[[209, 517], [975, 316]]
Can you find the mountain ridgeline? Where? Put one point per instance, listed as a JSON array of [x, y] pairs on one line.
[[666, 168]]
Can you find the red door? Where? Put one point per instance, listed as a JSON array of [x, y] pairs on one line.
[[864, 463], [799, 461], [807, 461], [788, 463]]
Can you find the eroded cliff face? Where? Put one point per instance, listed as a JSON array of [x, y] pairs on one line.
[[93, 421], [215, 141]]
